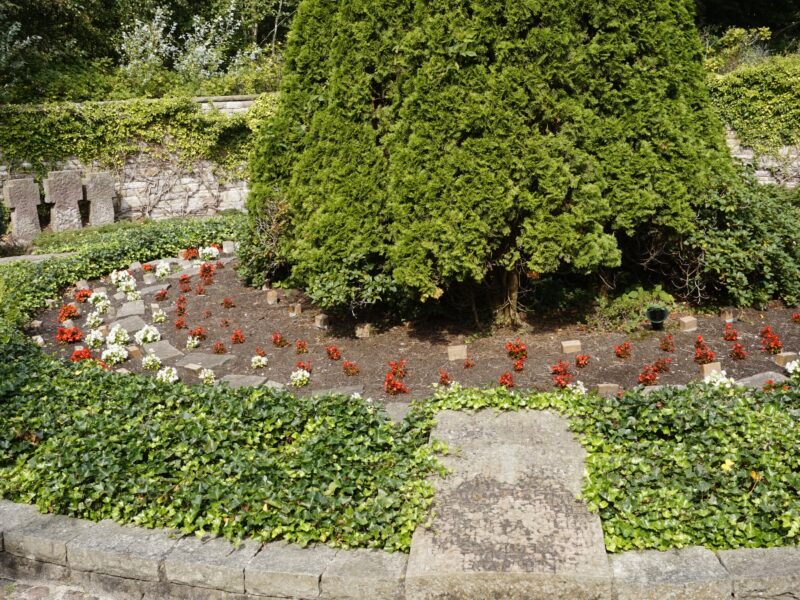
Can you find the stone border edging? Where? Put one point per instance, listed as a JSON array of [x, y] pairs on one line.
[[129, 561]]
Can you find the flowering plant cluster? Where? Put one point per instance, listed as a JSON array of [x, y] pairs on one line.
[[738, 352], [67, 312], [82, 295], [796, 317], [444, 378], [207, 377], [730, 334], [278, 340], [258, 362], [650, 373], [100, 302], [519, 365], [180, 305], [219, 348], [114, 354], [124, 282], [667, 343], [94, 320], [167, 375], [623, 351], [147, 335], [703, 355], [147, 267], [306, 366], [333, 352], [301, 347], [199, 332], [517, 350], [159, 316], [199, 290], [299, 378], [237, 337], [118, 335], [151, 362], [506, 380], [189, 253], [582, 361], [192, 342], [180, 323], [468, 363], [80, 354], [393, 382], [163, 269], [770, 342], [208, 253], [793, 368], [206, 273], [719, 379], [94, 339], [561, 375], [260, 351], [228, 302], [69, 335], [350, 368], [161, 295]]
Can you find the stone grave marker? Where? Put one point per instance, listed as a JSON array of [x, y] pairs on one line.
[[64, 189], [688, 324], [21, 196], [784, 358], [457, 352], [99, 189], [571, 346]]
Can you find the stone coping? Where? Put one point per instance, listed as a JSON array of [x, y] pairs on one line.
[[128, 561]]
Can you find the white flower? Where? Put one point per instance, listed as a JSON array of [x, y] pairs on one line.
[[117, 276], [159, 316], [147, 335], [94, 320], [117, 336], [134, 295], [151, 362], [192, 342], [793, 368], [167, 375], [258, 362], [208, 253], [355, 396], [100, 302], [577, 388], [207, 377], [115, 354], [719, 379], [94, 339], [163, 269], [299, 378]]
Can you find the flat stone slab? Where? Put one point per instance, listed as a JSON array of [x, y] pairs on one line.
[[154, 289], [763, 572], [129, 309], [44, 537], [209, 563], [285, 571], [190, 271], [340, 391], [759, 380], [365, 575], [131, 324], [122, 551], [163, 350], [205, 361], [508, 523], [677, 574], [238, 381], [13, 515]]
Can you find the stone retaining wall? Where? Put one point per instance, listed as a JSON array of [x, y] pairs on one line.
[[781, 170]]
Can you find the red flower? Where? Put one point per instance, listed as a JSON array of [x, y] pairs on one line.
[[730, 334], [667, 344], [562, 381], [207, 313], [506, 380], [237, 337], [393, 385], [180, 323], [199, 332], [560, 368], [304, 365], [69, 335], [519, 365], [517, 349], [662, 365], [161, 295], [796, 317], [444, 377], [185, 278], [81, 354], [301, 347], [260, 351], [771, 344], [217, 246], [219, 348], [278, 340], [82, 295], [148, 267], [185, 288], [206, 273], [468, 363], [333, 352], [623, 351], [224, 323], [68, 311], [190, 253], [738, 352], [228, 302], [200, 290], [582, 360], [350, 368], [648, 376], [397, 368], [702, 353]]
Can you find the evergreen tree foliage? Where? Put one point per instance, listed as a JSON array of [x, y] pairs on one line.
[[420, 145]]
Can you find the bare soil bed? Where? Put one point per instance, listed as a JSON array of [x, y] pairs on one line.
[[424, 346]]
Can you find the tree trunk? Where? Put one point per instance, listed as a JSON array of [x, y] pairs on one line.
[[507, 310]]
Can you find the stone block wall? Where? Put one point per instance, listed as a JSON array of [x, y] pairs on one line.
[[781, 170]]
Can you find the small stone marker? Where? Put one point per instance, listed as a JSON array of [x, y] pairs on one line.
[[154, 289], [363, 330], [163, 350], [149, 279], [608, 389], [131, 308], [295, 309], [131, 324], [99, 188], [64, 189], [99, 290], [457, 352], [134, 352], [239, 381], [229, 247], [21, 196], [34, 324], [38, 340], [784, 358], [710, 369], [272, 297], [103, 329], [154, 307], [193, 367], [727, 315], [321, 321], [571, 346], [205, 361], [688, 324]]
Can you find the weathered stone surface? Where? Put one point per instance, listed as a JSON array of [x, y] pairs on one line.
[[64, 189], [763, 572], [190, 271], [687, 574], [508, 524], [229, 247], [295, 310], [131, 324], [457, 352], [44, 538], [209, 563], [397, 411], [272, 297], [365, 575], [608, 389], [163, 350], [238, 381], [35, 324], [206, 361], [99, 189], [284, 570], [149, 279], [784, 358], [688, 324], [347, 390], [710, 369], [38, 340], [13, 515], [134, 353], [321, 321], [193, 367], [121, 551], [21, 196], [571, 346], [274, 385], [759, 380], [135, 267], [154, 289], [119, 296], [728, 315], [363, 330], [67, 324], [130, 309]]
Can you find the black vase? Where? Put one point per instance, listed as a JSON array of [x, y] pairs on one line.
[[657, 315]]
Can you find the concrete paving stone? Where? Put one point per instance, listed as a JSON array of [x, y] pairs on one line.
[[119, 296], [131, 324], [44, 538], [457, 352], [149, 279], [154, 289], [239, 381], [347, 390], [763, 572], [285, 570], [130, 309], [206, 361], [163, 350], [685, 574], [122, 551], [759, 380], [508, 522], [397, 411], [12, 515], [230, 247], [210, 563], [364, 575]]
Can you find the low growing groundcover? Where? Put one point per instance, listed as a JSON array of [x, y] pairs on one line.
[[712, 466]]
